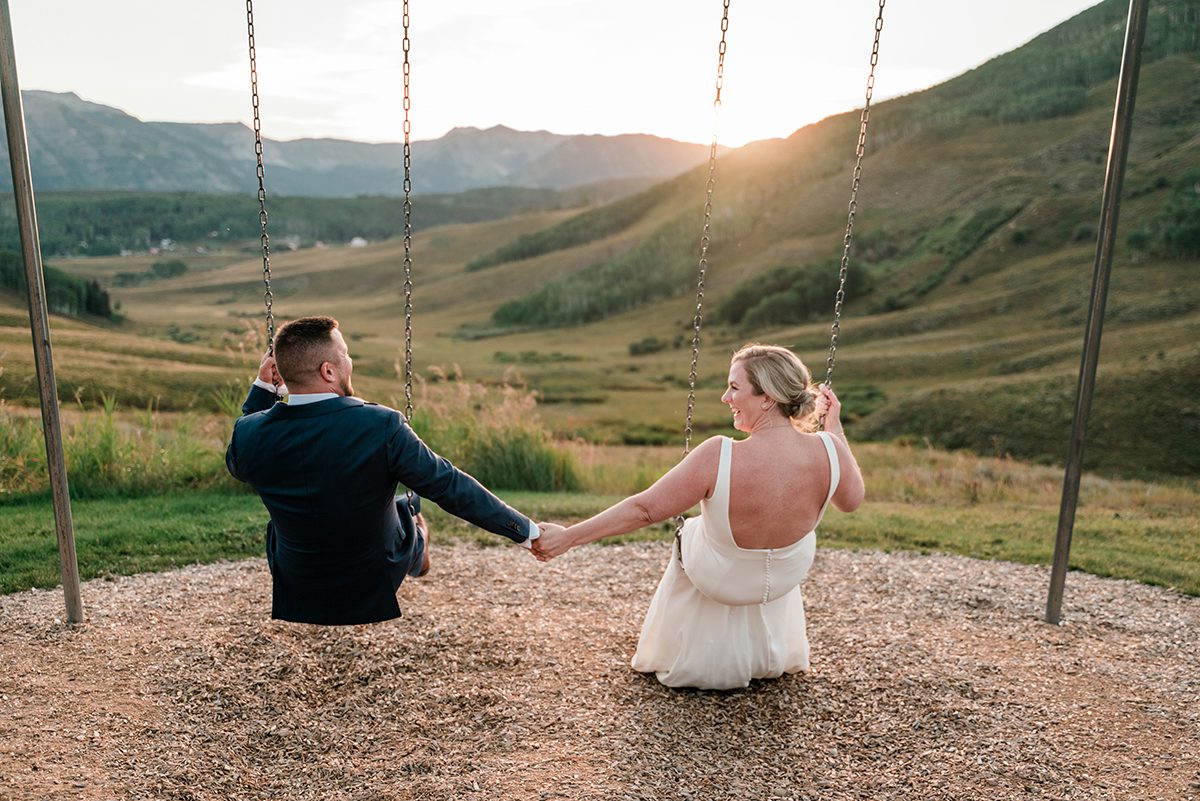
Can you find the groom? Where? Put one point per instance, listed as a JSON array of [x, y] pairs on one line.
[[326, 466]]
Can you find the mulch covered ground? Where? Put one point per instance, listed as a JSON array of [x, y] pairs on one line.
[[933, 678]]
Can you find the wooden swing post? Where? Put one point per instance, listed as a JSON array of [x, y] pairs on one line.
[[39, 318]]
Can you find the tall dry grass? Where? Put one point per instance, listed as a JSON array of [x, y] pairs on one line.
[[493, 433], [115, 453]]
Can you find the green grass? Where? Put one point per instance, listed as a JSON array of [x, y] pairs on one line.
[[920, 500], [1165, 552], [122, 536]]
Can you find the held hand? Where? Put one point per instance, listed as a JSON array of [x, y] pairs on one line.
[[551, 542], [829, 409], [268, 373]]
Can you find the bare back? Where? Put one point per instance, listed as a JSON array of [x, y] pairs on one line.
[[777, 486]]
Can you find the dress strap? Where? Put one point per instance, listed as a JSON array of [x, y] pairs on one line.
[[835, 471], [715, 510], [721, 488]]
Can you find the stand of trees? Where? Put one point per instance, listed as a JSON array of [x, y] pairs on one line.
[[65, 294]]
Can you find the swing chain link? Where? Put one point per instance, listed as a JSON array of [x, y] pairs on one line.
[[268, 296], [705, 239], [860, 150], [408, 309]]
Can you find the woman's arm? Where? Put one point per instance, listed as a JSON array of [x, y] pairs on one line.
[[681, 488], [851, 490]]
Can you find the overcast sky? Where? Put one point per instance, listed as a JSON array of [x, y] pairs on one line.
[[567, 66]]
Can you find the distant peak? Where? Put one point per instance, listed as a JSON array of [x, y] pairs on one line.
[[66, 97], [495, 130]]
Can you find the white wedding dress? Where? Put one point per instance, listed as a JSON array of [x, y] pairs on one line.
[[729, 614]]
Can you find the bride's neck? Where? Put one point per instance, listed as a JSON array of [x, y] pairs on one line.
[[770, 424]]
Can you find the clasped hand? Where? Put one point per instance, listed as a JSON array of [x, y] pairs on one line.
[[829, 409], [551, 542], [268, 373]]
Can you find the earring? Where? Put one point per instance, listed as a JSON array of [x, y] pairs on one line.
[[766, 406]]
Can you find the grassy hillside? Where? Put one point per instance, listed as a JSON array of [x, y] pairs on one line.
[[972, 260]]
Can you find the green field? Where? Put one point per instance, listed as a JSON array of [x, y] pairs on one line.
[[918, 500]]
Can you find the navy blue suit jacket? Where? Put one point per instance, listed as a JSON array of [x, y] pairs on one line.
[[327, 473]]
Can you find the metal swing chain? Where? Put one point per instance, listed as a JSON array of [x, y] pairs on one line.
[[859, 151], [268, 297], [408, 309], [705, 239]]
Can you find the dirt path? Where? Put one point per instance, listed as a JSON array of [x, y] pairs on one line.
[[933, 678]]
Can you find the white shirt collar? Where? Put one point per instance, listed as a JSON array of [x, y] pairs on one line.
[[298, 399]]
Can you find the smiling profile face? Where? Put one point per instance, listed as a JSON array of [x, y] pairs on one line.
[[739, 395]]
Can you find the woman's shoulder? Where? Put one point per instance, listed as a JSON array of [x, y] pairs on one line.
[[711, 447], [705, 455], [802, 446]]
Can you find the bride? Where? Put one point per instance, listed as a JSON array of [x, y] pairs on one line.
[[728, 608]]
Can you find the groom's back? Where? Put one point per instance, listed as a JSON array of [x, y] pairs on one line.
[[322, 471]]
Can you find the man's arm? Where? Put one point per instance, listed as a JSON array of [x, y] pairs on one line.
[[267, 388], [258, 399], [231, 456], [433, 477]]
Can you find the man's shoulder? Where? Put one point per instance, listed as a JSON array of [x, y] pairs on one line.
[[371, 407], [370, 412], [250, 419]]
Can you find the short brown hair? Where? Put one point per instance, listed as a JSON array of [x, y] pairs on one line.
[[302, 345]]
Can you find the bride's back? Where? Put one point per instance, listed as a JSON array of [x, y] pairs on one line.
[[778, 482]]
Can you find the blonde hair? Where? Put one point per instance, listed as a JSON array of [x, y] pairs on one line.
[[780, 375]]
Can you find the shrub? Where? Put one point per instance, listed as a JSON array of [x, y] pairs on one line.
[[109, 456], [788, 295], [587, 227], [658, 267], [1179, 223], [978, 228], [1138, 240], [646, 345], [490, 433], [22, 454], [168, 269]]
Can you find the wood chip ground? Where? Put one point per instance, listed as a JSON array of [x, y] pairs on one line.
[[933, 678]]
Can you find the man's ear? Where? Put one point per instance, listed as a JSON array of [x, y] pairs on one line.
[[326, 372]]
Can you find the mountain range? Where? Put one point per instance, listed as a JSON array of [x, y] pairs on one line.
[[79, 145]]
